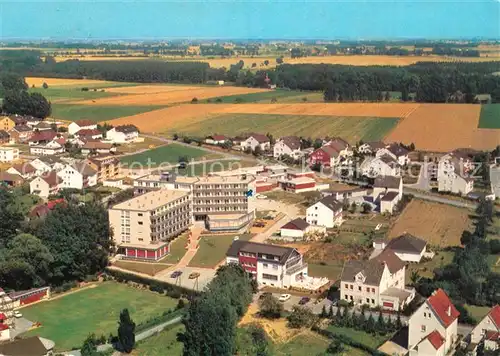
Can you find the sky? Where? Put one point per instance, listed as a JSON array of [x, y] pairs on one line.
[[235, 19]]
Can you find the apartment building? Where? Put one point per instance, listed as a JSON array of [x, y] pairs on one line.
[[9, 154], [379, 282], [276, 266], [453, 173], [144, 225], [107, 167]]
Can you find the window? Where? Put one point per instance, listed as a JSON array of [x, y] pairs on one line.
[[347, 285], [139, 222], [351, 297], [352, 287], [270, 276], [368, 289], [373, 290], [264, 265], [275, 266], [373, 301], [423, 328], [368, 300], [359, 289]]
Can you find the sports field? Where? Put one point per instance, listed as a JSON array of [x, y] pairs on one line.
[[75, 112], [168, 154], [68, 320], [351, 129], [490, 116], [438, 224]]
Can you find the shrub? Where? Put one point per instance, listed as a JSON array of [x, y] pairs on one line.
[[180, 304], [301, 317], [270, 307], [45, 85], [194, 100], [85, 89]]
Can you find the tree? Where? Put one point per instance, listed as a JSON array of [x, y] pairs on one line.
[[126, 332], [323, 313], [330, 311], [414, 278], [10, 219], [45, 85], [11, 82], [300, 317], [194, 100], [399, 323], [335, 348], [387, 96], [279, 60], [257, 151], [270, 307], [24, 103], [366, 208], [380, 326], [369, 326], [404, 94], [89, 347]]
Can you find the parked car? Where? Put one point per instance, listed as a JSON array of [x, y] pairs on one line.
[[284, 297], [260, 196], [175, 274], [18, 314], [304, 300], [259, 224], [264, 295], [194, 275]]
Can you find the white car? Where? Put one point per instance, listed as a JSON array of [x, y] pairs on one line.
[[18, 314], [261, 196], [284, 297]]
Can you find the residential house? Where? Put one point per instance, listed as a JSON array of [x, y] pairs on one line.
[[326, 212], [92, 147], [380, 166], [371, 148], [46, 184], [4, 137], [407, 247], [486, 331], [11, 180], [41, 210], [78, 176], [42, 138], [88, 134], [44, 164], [123, 134], [32, 121], [217, 140], [107, 167], [24, 170], [355, 194], [32, 346], [288, 145], [298, 228], [482, 99], [6, 123], [8, 154], [453, 173], [256, 140], [21, 134], [19, 119], [51, 148], [388, 192], [76, 126], [42, 126], [397, 152], [379, 282], [270, 265], [331, 154], [432, 329]]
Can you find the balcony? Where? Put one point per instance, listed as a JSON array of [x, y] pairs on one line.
[[296, 268]]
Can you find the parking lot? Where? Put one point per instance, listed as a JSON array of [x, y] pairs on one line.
[[206, 275], [313, 304]]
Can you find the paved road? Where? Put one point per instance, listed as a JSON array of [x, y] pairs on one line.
[[140, 336], [439, 199]]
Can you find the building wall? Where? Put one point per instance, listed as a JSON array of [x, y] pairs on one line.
[[477, 333], [6, 123], [410, 257], [41, 185], [320, 156], [266, 269], [8, 154], [218, 197], [71, 178], [318, 214], [292, 233]]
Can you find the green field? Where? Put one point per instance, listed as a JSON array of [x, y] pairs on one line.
[[277, 96], [353, 129], [68, 320], [163, 343], [212, 249], [168, 154], [62, 94], [490, 116], [373, 341], [331, 270], [75, 112]]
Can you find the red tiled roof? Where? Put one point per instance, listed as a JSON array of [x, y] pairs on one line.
[[494, 314], [24, 168], [492, 335], [83, 123], [297, 224], [2, 316], [88, 132], [443, 307], [219, 137], [51, 204], [4, 326], [435, 339], [47, 135], [52, 179]]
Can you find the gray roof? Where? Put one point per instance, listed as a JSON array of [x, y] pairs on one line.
[[126, 128], [387, 182], [258, 248], [407, 243], [331, 203], [390, 196], [388, 160], [397, 150], [32, 346], [372, 269], [296, 224], [291, 141], [376, 145], [84, 169]]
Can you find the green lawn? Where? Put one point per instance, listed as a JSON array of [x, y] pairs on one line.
[[490, 116], [266, 97], [177, 249], [68, 320], [477, 312], [163, 343], [306, 344], [168, 154], [373, 341], [212, 249], [425, 269], [331, 271], [353, 129], [75, 112], [149, 268], [60, 94]]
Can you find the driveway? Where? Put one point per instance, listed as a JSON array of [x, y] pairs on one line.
[[21, 325], [206, 276]]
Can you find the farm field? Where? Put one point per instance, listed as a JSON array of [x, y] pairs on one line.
[[75, 112], [212, 249], [352, 129], [490, 116], [426, 269], [445, 127], [60, 82], [93, 310], [168, 154], [154, 95], [440, 225], [268, 96], [57, 95]]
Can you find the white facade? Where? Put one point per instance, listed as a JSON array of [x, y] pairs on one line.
[[73, 128], [121, 137], [72, 178], [40, 187], [487, 326], [43, 167], [280, 149], [50, 149], [375, 166], [253, 143], [9, 154], [451, 176], [320, 214], [403, 160]]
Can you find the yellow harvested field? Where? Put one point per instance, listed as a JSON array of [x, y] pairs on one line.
[[438, 224], [172, 96], [98, 58], [151, 89], [58, 82], [444, 127]]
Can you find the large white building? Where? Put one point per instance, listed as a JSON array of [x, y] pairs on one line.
[[46, 184], [379, 282], [122, 134], [453, 173], [407, 247], [384, 165], [9, 154], [432, 329], [76, 126], [288, 145], [387, 192], [78, 176], [326, 212], [256, 140], [395, 151]]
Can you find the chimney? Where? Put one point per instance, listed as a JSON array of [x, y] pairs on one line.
[[448, 311]]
